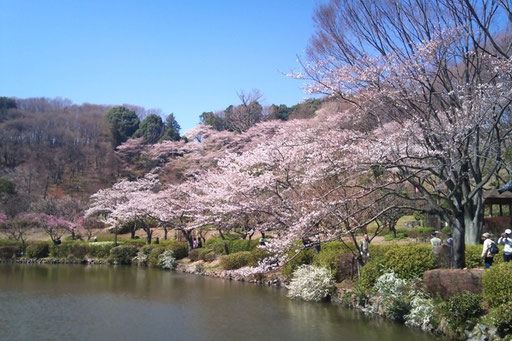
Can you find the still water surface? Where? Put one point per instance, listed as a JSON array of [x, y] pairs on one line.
[[74, 302]]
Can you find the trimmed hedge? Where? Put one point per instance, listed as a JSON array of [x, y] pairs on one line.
[[243, 258], [473, 257], [99, 249], [497, 284], [37, 250], [8, 242], [180, 249], [8, 252], [409, 261], [207, 255], [69, 250], [234, 245], [122, 254], [236, 260], [422, 233], [195, 254], [406, 261]]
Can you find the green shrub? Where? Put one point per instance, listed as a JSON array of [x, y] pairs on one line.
[[409, 261], [369, 274], [422, 233], [207, 255], [69, 250], [374, 268], [99, 249], [236, 260], [258, 254], [8, 242], [37, 250], [462, 309], [297, 259], [473, 257], [122, 254], [501, 317], [238, 245], [497, 284], [142, 257], [406, 261], [134, 242], [377, 252], [395, 294], [446, 229], [331, 256], [216, 244], [179, 249], [399, 235], [153, 259], [8, 252], [233, 244], [195, 254]]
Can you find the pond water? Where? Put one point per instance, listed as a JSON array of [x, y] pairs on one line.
[[76, 302]]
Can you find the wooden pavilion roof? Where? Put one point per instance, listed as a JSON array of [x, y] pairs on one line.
[[492, 197]]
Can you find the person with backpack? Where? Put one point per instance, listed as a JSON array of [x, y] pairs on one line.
[[506, 239], [490, 249]]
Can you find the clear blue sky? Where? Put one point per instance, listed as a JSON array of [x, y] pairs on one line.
[[182, 56]]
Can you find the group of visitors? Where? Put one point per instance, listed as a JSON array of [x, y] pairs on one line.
[[490, 249], [197, 243], [436, 241]]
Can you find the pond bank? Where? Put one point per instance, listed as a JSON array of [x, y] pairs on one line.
[[344, 295]]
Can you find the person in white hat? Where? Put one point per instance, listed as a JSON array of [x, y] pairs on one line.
[[487, 253], [506, 239]]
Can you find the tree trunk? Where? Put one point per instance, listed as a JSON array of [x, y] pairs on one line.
[[149, 233], [459, 245], [392, 228], [226, 249], [132, 233], [165, 233], [188, 237], [474, 221]]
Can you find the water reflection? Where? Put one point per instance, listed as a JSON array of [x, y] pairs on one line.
[[70, 302]]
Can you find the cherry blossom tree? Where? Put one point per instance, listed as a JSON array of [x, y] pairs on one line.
[[428, 83], [119, 204], [175, 208], [55, 227]]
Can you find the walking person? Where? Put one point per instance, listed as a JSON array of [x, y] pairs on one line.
[[449, 243], [364, 248], [506, 239], [489, 250], [435, 240]]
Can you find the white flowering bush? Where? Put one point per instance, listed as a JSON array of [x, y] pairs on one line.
[[311, 283], [395, 294], [141, 258], [166, 260], [421, 314]]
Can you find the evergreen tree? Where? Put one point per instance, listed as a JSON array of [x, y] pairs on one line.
[[151, 129], [172, 129], [123, 123]]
